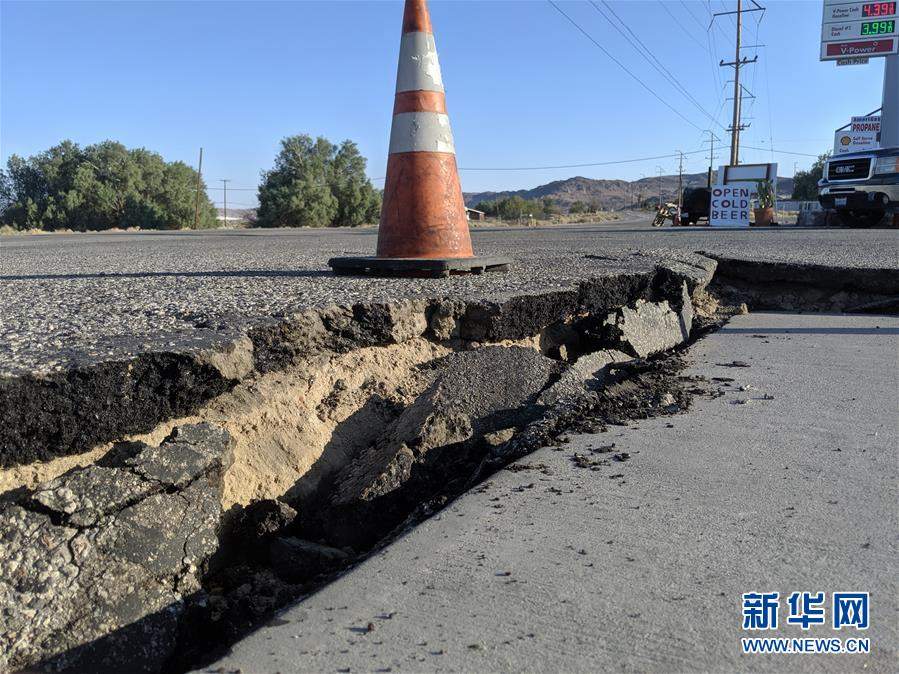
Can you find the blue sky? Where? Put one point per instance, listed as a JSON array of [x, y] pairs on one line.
[[524, 87]]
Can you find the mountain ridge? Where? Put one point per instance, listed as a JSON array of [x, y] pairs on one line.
[[609, 194]]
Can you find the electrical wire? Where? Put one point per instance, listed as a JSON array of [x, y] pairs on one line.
[[695, 18], [600, 163], [622, 66], [682, 26], [773, 151], [715, 24], [650, 57]]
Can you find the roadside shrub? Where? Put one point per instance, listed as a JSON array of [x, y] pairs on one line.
[[101, 186]]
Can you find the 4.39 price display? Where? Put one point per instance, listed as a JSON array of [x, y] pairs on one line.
[[874, 9], [878, 27]]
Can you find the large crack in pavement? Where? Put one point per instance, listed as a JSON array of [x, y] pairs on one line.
[[336, 429]]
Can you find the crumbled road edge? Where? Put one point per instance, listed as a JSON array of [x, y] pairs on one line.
[[65, 413], [98, 565]]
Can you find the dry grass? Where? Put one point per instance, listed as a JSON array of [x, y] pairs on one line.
[[579, 219]]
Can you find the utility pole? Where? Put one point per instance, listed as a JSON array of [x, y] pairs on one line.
[[738, 62], [738, 95], [680, 186], [711, 141], [660, 185], [197, 208], [225, 182]]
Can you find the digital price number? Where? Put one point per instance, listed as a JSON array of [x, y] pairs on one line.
[[878, 27], [873, 9]]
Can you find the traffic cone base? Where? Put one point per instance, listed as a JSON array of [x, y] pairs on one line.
[[424, 228], [416, 266]]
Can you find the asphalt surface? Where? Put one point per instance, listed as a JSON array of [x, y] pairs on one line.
[[79, 299], [641, 566]]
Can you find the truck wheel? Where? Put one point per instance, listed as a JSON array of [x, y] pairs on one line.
[[860, 219]]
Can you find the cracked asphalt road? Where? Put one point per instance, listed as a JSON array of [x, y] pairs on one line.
[[78, 299], [640, 566]]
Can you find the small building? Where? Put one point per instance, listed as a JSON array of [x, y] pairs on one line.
[[474, 214]]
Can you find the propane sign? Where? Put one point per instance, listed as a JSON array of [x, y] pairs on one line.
[[854, 30], [862, 134], [730, 205]]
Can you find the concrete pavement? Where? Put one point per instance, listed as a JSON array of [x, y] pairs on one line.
[[785, 482]]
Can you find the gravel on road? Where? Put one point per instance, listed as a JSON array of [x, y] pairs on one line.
[[78, 299]]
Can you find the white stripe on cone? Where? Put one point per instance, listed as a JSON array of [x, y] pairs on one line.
[[421, 132], [418, 69]]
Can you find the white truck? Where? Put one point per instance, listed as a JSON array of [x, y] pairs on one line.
[[863, 187]]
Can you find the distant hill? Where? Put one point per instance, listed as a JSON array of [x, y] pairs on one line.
[[609, 194]]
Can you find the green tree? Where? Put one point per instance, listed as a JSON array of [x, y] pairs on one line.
[[577, 207], [357, 201], [549, 207], [99, 187], [514, 207], [805, 183], [317, 184], [489, 207]]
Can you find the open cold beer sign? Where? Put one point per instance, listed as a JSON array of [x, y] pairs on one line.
[[736, 191], [730, 206]]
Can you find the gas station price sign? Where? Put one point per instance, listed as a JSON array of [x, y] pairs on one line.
[[878, 27], [859, 30], [877, 9]]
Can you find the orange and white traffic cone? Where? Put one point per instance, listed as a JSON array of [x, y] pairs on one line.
[[423, 230]]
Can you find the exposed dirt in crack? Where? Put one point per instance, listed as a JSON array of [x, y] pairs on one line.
[[331, 538], [284, 421], [794, 287]]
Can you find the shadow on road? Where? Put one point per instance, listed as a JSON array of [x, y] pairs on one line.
[[810, 331], [162, 274]]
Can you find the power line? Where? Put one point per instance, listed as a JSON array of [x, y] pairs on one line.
[[682, 26], [739, 61], [225, 182], [199, 183], [755, 67], [712, 23], [591, 164], [768, 102], [768, 149], [564, 166], [690, 12], [649, 56], [730, 16], [713, 51], [622, 66]]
